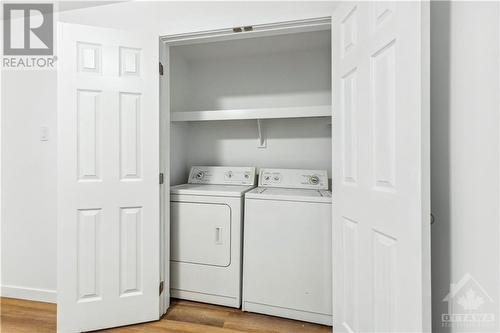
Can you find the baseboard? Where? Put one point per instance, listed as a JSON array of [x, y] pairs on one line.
[[233, 302], [32, 294], [312, 317]]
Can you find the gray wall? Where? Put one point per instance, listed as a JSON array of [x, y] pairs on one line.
[[465, 149]]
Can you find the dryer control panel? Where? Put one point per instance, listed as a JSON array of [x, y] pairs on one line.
[[294, 178], [222, 175]]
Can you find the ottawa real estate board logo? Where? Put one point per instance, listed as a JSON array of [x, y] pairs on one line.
[[28, 35], [469, 306]]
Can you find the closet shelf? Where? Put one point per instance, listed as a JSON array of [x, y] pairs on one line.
[[261, 113]]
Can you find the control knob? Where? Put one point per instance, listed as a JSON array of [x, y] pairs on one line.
[[314, 180]]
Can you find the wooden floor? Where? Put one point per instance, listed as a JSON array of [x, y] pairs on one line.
[[183, 317]]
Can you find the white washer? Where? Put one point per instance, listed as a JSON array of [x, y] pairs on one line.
[[287, 255], [206, 234]]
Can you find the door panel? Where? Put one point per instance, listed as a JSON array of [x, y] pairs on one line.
[[381, 167], [287, 258], [108, 165], [201, 233]]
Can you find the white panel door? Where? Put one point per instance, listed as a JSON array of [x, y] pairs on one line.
[[381, 212], [108, 164]]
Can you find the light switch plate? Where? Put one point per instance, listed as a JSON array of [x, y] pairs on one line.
[[44, 133]]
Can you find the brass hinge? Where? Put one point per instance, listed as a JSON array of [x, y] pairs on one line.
[[161, 69], [161, 178], [161, 287]]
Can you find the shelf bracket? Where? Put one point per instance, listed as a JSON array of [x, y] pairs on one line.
[[262, 140]]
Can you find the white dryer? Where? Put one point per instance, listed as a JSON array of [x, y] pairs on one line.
[[206, 234], [287, 256]]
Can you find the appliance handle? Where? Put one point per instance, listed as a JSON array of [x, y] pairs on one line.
[[218, 235]]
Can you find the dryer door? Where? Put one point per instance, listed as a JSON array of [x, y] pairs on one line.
[[201, 233]]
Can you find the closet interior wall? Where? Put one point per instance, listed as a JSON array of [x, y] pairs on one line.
[[280, 71]]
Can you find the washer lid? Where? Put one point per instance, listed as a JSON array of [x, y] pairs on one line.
[[211, 190], [290, 194]]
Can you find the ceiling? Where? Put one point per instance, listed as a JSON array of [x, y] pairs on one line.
[[170, 17], [62, 6]]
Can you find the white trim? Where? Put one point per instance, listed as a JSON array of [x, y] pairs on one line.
[[259, 30], [2, 111], [233, 302], [164, 113], [425, 63], [312, 317], [260, 113], [498, 63], [32, 294]]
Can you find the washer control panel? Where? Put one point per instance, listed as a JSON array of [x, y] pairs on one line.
[[294, 178], [222, 175]]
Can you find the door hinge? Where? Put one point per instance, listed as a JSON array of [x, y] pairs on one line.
[[241, 29], [161, 287], [161, 178], [161, 69]]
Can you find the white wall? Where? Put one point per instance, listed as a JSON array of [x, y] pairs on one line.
[[465, 149], [28, 225], [272, 71], [28, 238], [291, 143]]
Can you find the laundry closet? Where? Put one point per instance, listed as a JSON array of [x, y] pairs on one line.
[[345, 98], [256, 98], [251, 99]]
